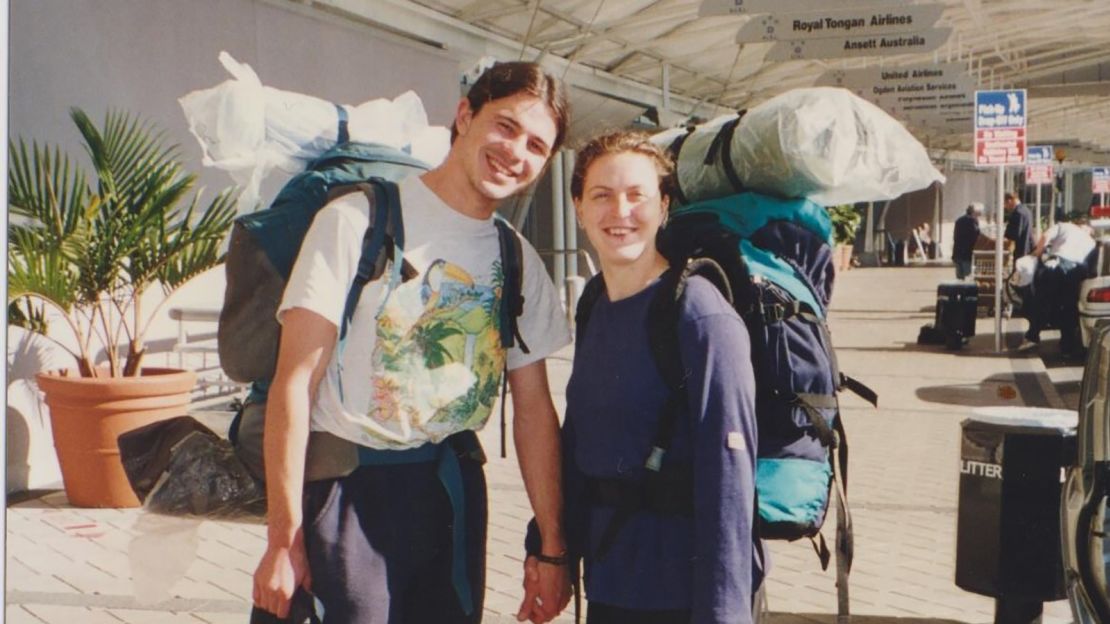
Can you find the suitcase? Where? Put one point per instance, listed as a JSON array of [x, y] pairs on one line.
[[956, 310]]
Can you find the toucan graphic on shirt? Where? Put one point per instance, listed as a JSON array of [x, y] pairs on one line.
[[437, 360]]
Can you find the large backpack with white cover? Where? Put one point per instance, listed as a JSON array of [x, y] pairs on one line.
[[778, 267], [263, 248]]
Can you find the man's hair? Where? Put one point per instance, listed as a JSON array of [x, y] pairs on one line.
[[1012, 196], [974, 208], [508, 79], [621, 142]]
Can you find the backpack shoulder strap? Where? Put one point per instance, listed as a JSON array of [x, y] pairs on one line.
[[383, 239], [512, 295], [590, 294], [663, 315]]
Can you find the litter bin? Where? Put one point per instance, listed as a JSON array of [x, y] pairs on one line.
[[1008, 520]]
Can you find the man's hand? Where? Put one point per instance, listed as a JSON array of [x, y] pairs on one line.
[[282, 570], [546, 591]]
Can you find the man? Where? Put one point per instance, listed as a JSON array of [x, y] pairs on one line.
[[964, 235], [1063, 250], [1019, 225], [401, 537]]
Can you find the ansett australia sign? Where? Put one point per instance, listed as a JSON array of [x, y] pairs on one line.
[[920, 41], [839, 23]]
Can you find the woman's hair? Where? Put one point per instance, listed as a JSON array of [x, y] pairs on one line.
[[508, 79], [620, 142]]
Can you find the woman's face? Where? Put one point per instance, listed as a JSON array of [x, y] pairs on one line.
[[621, 209]]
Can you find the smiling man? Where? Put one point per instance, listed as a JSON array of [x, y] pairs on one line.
[[398, 539]]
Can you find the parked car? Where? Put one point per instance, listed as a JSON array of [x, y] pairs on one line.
[[1094, 293], [1086, 492]]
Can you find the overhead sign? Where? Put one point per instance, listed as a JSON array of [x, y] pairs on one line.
[[937, 74], [839, 23], [963, 101], [1038, 165], [1100, 180], [1000, 121], [747, 7], [1039, 155], [855, 47], [950, 110]]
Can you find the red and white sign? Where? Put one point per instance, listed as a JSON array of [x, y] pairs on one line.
[[1038, 174], [1100, 180], [1000, 147]]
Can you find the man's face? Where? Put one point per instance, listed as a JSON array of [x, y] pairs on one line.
[[505, 146], [1009, 203]]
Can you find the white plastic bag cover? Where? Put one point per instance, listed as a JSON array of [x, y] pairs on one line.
[[1024, 269], [247, 129], [823, 143]]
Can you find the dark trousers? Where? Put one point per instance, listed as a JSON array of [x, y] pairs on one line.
[[597, 613], [1056, 301], [380, 549], [605, 614]]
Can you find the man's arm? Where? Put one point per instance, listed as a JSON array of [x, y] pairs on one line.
[[536, 438], [1038, 249], [306, 346]]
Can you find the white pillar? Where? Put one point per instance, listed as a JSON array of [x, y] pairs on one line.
[[998, 262]]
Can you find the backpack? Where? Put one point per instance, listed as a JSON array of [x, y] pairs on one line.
[[263, 248], [774, 257]]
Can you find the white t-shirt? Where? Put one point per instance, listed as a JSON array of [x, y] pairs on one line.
[[1068, 241], [428, 364]]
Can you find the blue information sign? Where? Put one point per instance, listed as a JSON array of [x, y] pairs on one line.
[[1038, 155], [1000, 118], [1000, 109]]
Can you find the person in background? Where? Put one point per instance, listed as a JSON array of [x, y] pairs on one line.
[[1019, 225], [1064, 251], [657, 564], [964, 235]]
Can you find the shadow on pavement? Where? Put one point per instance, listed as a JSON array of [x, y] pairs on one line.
[[990, 391]]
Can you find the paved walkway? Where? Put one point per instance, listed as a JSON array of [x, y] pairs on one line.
[[68, 565]]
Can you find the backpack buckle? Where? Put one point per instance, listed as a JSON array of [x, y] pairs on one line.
[[773, 313]]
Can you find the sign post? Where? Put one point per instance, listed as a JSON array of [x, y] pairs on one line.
[[1000, 120], [1038, 171]]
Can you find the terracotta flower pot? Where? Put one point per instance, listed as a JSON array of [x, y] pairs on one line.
[[89, 414], [842, 256]]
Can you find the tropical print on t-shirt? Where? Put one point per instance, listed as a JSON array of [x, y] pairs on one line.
[[438, 359]]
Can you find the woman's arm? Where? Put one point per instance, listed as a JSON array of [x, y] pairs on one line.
[[721, 398]]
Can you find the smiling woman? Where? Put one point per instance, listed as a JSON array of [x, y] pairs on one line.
[[618, 187], [664, 537]]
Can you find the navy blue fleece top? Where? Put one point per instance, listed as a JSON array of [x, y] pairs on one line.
[[657, 561]]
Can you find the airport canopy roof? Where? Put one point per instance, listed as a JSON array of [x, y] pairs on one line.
[[1058, 50]]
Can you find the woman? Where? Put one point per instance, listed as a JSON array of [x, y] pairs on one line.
[[657, 562]]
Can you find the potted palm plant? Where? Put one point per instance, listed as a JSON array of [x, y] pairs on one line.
[[84, 256]]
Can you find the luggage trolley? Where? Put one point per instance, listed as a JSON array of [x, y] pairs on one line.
[[982, 271]]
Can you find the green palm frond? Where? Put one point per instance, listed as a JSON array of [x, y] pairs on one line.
[[45, 188], [76, 245], [36, 268]]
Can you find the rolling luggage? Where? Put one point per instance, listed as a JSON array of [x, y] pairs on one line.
[[956, 310]]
